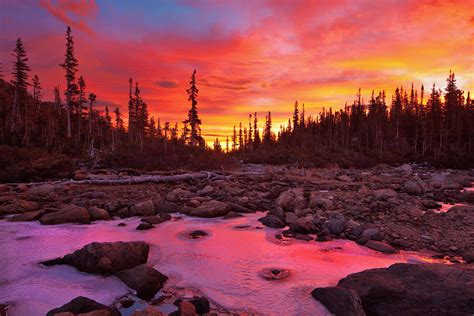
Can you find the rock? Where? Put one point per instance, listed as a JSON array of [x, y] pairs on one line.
[[384, 194], [316, 201], [441, 181], [26, 217], [201, 304], [42, 190], [98, 214], [303, 237], [336, 226], [414, 289], [468, 257], [406, 169], [271, 221], [68, 214], [155, 220], [145, 280], [232, 214], [413, 188], [306, 224], [239, 208], [178, 194], [148, 311], [80, 175], [197, 234], [380, 246], [274, 273], [291, 200], [146, 208], [353, 230], [83, 305], [193, 203], [210, 209], [186, 309], [461, 208], [369, 234], [344, 178], [19, 206], [145, 226], [207, 190], [339, 301], [290, 217], [126, 302], [105, 258]]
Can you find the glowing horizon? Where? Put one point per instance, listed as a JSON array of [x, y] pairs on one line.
[[250, 57]]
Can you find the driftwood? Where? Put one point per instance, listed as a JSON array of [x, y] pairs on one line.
[[134, 179]]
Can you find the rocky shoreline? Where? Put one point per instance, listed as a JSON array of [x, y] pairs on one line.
[[384, 208]]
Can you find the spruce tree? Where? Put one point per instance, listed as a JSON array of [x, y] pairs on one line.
[[92, 100], [193, 120], [20, 84], [296, 116], [241, 138], [70, 65]]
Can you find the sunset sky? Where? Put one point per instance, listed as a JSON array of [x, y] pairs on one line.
[[249, 55]]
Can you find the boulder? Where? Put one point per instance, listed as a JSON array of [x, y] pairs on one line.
[[406, 169], [178, 194], [461, 208], [353, 230], [145, 280], [414, 289], [185, 309], [84, 305], [155, 220], [145, 226], [98, 214], [210, 209], [148, 311], [206, 190], [27, 217], [316, 201], [42, 190], [339, 301], [291, 200], [68, 214], [105, 258], [440, 181], [290, 217], [146, 208], [232, 214], [384, 194], [271, 221], [380, 246], [412, 187], [18, 206], [336, 226], [201, 304], [369, 234]]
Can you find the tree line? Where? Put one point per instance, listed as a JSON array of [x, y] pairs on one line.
[[73, 123], [406, 128], [437, 127]]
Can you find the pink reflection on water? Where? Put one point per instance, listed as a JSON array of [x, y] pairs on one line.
[[225, 266]]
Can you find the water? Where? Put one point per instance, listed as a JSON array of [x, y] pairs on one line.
[[226, 266]]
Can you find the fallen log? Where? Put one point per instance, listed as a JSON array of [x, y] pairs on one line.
[[135, 180]]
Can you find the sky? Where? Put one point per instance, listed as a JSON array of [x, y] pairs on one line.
[[250, 56]]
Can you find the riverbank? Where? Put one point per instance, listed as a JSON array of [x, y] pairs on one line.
[[345, 220]]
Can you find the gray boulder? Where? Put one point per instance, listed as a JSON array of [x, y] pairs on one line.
[[145, 280], [68, 214], [105, 258], [339, 301]]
